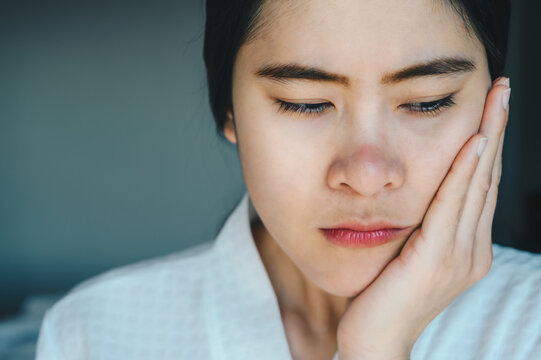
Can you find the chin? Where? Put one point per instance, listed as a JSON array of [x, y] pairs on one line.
[[353, 275], [349, 292], [349, 287]]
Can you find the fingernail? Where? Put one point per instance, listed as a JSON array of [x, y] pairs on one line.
[[505, 98], [481, 146], [502, 81]]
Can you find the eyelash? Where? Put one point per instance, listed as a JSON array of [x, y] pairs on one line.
[[431, 108], [302, 108]]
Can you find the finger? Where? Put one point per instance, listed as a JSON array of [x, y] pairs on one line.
[[441, 220], [495, 116], [485, 222], [502, 80], [491, 201], [482, 249]]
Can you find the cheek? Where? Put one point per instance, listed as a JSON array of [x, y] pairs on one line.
[[278, 167], [277, 155], [429, 163]]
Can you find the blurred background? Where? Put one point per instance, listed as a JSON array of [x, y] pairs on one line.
[[108, 150]]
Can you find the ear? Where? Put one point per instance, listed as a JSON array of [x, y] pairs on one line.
[[229, 128]]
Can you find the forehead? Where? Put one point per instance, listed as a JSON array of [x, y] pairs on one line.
[[358, 37]]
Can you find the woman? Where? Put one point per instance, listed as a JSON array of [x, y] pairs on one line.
[[370, 135]]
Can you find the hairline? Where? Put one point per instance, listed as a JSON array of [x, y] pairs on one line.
[[268, 11]]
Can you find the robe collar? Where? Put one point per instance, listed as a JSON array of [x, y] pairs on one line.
[[243, 316]]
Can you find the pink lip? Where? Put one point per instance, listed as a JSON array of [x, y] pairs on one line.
[[362, 236]]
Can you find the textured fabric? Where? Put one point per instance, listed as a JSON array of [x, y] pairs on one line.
[[215, 302]]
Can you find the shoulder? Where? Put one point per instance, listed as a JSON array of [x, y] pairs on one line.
[[515, 277], [511, 258], [160, 269], [173, 271], [514, 271], [513, 284], [139, 300], [496, 318]]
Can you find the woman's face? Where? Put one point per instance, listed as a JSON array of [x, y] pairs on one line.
[[364, 155]]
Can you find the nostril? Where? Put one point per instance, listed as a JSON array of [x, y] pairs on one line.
[[366, 171]]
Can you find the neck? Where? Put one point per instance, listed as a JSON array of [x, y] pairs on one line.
[[297, 296]]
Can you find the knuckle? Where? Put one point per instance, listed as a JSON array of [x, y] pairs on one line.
[[466, 264], [457, 171], [485, 182], [499, 174], [445, 272], [481, 267], [493, 192]]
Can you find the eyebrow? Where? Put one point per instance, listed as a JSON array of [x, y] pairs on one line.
[[440, 66]]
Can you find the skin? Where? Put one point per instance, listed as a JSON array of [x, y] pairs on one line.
[[367, 158]]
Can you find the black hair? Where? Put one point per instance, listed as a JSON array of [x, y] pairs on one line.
[[231, 23]]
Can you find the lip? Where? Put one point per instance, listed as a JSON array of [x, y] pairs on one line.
[[363, 236]]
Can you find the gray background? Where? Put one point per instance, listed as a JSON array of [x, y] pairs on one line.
[[108, 151]]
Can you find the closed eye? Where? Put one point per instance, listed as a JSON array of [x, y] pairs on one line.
[[303, 108], [432, 108]]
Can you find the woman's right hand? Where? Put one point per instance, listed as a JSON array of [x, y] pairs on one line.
[[449, 252]]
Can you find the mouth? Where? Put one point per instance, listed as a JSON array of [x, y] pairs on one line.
[[363, 236]]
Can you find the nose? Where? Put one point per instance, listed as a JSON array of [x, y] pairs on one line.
[[366, 171]]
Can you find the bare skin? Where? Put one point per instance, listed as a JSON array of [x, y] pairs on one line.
[[310, 317], [365, 157], [311, 327]]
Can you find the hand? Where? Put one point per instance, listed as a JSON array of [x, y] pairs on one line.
[[449, 252]]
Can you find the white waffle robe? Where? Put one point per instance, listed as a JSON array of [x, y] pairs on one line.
[[215, 302]]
